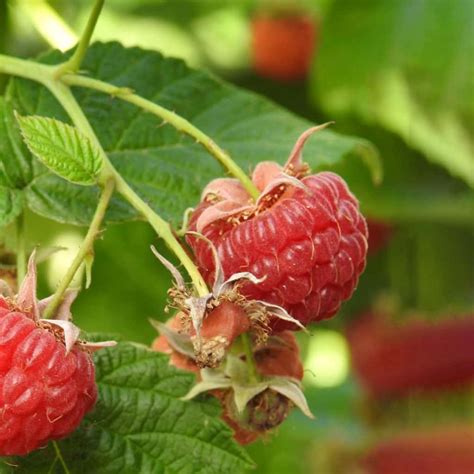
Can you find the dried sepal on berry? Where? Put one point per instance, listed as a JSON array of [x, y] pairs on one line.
[[252, 406], [211, 344], [234, 376], [61, 324], [179, 342]]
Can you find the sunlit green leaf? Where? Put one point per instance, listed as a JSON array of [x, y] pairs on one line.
[[62, 148]]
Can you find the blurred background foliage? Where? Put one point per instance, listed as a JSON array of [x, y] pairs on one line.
[[397, 72]]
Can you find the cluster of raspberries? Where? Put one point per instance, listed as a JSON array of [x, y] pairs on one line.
[[275, 264], [295, 254]]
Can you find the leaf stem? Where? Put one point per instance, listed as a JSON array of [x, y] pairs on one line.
[[86, 248], [74, 62], [172, 118], [20, 248], [60, 457], [249, 358]]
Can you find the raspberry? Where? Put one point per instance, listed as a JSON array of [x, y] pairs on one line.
[[445, 450], [47, 376], [308, 244], [283, 47], [398, 360], [44, 391]]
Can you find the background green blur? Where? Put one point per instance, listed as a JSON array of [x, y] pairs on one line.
[[397, 72]]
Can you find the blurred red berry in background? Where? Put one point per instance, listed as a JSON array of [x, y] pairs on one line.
[[283, 46], [394, 360]]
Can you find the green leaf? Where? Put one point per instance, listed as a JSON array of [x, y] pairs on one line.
[[141, 425], [404, 72], [62, 148], [165, 167]]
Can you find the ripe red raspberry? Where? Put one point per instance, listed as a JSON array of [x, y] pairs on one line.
[[306, 238], [397, 360], [47, 376], [44, 391], [283, 46]]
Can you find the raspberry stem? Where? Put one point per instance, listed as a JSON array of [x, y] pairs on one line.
[[84, 250], [172, 118], [52, 77]]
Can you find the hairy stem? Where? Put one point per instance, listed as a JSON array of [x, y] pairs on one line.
[[172, 118], [86, 248], [20, 248], [249, 358], [74, 62]]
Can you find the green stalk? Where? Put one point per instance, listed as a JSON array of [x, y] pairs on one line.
[[24, 68], [85, 249], [172, 118], [74, 62], [46, 76], [163, 229]]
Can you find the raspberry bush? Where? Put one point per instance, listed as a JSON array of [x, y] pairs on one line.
[[106, 134]]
